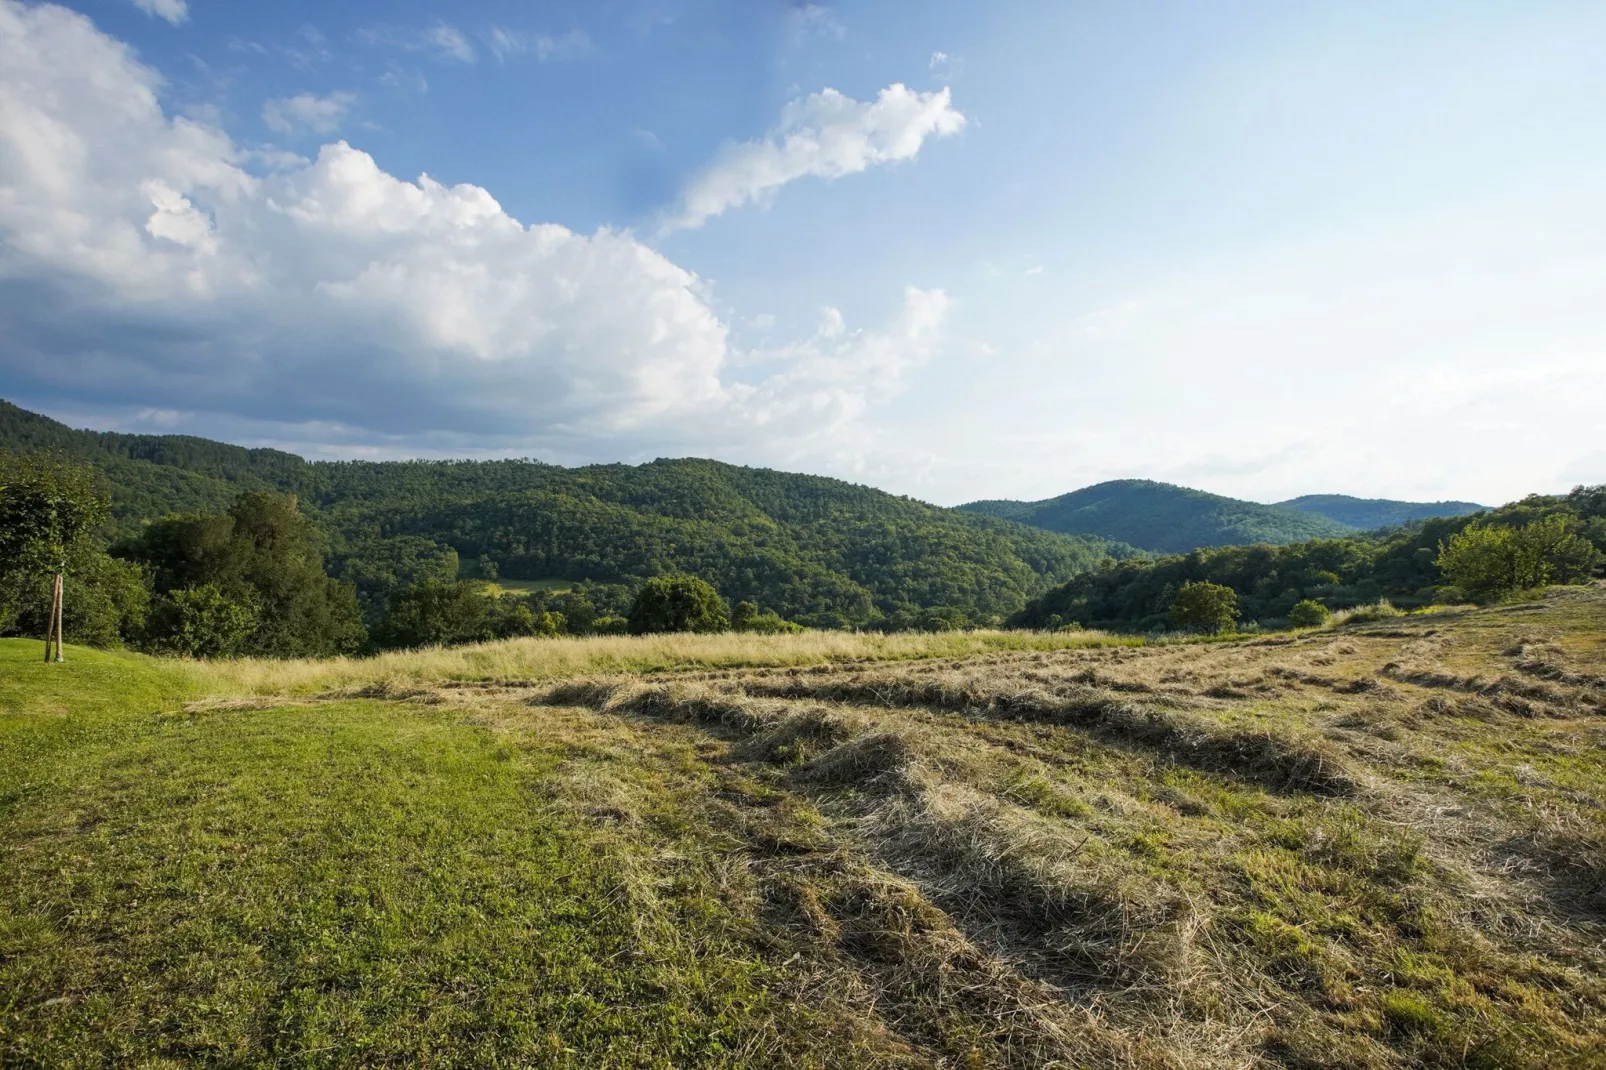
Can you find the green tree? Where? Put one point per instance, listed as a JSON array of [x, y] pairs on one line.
[[1309, 613], [1485, 560], [202, 622], [1204, 606], [747, 617], [261, 552], [677, 604], [48, 509]]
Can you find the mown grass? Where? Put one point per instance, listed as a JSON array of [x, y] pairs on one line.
[[1375, 846], [527, 660], [353, 883]]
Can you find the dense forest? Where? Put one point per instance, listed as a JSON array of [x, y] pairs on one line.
[[818, 551], [1401, 565], [1369, 514], [1164, 518]]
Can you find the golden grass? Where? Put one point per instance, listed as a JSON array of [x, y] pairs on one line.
[[536, 660]]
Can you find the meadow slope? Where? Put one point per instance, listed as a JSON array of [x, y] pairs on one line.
[[1381, 845]]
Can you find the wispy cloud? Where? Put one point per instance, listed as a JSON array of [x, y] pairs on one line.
[[507, 44], [174, 11], [827, 135], [307, 111], [441, 40]]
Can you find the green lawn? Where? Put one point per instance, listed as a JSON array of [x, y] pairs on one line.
[[332, 885]]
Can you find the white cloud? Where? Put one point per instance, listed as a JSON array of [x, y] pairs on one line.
[[442, 40], [506, 44], [827, 135], [156, 272], [174, 11], [450, 42], [307, 111]]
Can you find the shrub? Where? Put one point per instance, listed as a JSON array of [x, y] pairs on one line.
[[677, 604], [1205, 607], [1486, 560], [1309, 614], [747, 617], [202, 622], [1382, 609]]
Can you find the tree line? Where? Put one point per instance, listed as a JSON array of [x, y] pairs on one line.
[[1530, 543]]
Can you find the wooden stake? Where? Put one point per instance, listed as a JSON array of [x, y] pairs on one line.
[[61, 585], [50, 628]]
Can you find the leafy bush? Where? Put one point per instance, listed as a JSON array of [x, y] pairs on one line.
[[677, 604], [1309, 614], [203, 622], [1486, 560], [747, 617], [1206, 607], [444, 614]]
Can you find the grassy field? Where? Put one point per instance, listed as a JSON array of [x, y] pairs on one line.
[[1382, 845]]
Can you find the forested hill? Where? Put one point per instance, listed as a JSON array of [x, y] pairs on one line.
[[1369, 514], [1163, 517], [816, 550]]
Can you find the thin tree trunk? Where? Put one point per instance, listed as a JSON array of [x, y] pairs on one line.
[[50, 627], [61, 590]]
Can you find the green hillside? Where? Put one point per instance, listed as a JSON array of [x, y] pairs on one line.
[[816, 550], [1163, 517], [1369, 514]]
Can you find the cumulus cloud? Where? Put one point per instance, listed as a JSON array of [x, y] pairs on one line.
[[174, 11], [307, 111], [142, 265], [827, 135]]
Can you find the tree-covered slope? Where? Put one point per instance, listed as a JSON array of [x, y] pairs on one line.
[[1163, 517], [814, 549], [1369, 514]]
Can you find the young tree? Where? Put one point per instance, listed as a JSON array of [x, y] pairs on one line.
[[677, 604], [48, 508], [1206, 607]]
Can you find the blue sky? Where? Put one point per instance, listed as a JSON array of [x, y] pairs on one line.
[[952, 250]]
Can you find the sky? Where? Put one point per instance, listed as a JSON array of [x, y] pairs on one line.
[[951, 250]]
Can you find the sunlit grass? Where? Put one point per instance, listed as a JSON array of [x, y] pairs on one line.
[[559, 658]]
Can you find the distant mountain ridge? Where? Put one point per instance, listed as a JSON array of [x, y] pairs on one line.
[[1163, 517], [1369, 514], [817, 550]]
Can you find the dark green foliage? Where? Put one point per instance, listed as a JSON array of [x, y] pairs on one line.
[[442, 614], [1309, 613], [1163, 517], [104, 601], [1486, 560], [1369, 514], [49, 507], [1205, 607], [818, 551], [203, 622], [380, 566], [677, 604], [1401, 565], [261, 553], [747, 617]]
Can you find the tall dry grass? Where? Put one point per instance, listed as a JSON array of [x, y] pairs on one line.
[[519, 660]]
